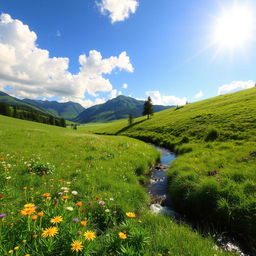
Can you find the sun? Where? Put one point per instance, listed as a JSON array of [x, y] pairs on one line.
[[234, 27]]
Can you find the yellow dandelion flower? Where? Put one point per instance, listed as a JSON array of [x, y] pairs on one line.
[[77, 246], [89, 235], [131, 214], [56, 219], [16, 248], [50, 232], [122, 235], [10, 252], [27, 254]]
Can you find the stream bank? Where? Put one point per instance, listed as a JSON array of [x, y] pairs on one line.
[[161, 200]]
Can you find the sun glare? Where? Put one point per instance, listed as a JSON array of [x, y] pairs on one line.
[[234, 27]]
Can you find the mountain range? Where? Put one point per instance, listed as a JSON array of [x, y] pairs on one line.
[[114, 109]]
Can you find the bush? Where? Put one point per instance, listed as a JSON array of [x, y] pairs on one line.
[[212, 135]]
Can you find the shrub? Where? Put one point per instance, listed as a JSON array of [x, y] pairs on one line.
[[41, 169], [212, 135]]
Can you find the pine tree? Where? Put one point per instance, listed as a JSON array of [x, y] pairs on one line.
[[148, 108]]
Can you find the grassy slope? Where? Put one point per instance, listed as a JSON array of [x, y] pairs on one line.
[[216, 179], [95, 166]]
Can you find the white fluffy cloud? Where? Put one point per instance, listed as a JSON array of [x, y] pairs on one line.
[[125, 86], [199, 95], [235, 86], [159, 99], [118, 10], [31, 72]]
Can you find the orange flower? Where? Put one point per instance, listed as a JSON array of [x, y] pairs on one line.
[[83, 223], [25, 188], [46, 194], [65, 197], [34, 217], [40, 214], [27, 211], [79, 204]]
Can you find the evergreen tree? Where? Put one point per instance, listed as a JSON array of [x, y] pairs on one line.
[[5, 109], [148, 108], [63, 122], [130, 119]]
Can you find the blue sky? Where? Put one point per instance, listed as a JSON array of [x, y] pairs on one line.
[[167, 47]]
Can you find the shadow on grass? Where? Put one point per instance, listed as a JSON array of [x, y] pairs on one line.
[[129, 126]]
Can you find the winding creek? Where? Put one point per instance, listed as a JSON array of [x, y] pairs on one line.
[[161, 201]]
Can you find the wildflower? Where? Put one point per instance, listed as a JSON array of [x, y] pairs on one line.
[[122, 235], [27, 254], [2, 215], [111, 199], [56, 219], [83, 223], [65, 197], [35, 236], [131, 214], [10, 252], [107, 210], [76, 246], [34, 217], [74, 193], [27, 211], [89, 235], [29, 206], [25, 188], [75, 220], [50, 232], [97, 198], [46, 194], [69, 208], [102, 203], [1, 196], [60, 193], [79, 204], [83, 210], [40, 214], [16, 248]]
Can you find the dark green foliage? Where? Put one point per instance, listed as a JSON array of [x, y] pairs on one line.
[[4, 109], [130, 119], [212, 135], [148, 108]]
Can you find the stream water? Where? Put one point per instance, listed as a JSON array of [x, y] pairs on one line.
[[161, 201]]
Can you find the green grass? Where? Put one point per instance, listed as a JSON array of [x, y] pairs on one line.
[[99, 168], [214, 176]]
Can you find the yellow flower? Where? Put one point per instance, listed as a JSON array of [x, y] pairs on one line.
[[89, 235], [27, 254], [56, 219], [77, 246], [29, 206], [122, 235], [10, 252], [16, 248], [50, 232], [131, 214]]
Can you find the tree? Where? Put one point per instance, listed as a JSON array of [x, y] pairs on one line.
[[5, 109], [148, 108], [130, 119], [63, 122]]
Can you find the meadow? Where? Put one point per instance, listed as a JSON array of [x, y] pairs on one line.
[[66, 192], [213, 180]]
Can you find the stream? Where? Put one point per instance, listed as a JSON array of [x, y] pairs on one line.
[[161, 201]]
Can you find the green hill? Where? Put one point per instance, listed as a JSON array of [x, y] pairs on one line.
[[117, 108], [214, 177], [5, 98], [68, 110]]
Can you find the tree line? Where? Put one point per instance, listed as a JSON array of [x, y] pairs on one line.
[[29, 114]]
